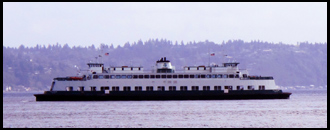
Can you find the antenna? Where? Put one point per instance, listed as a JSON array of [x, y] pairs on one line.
[[102, 46], [209, 53], [96, 59]]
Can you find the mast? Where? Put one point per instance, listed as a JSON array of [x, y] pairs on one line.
[[209, 54], [102, 46]]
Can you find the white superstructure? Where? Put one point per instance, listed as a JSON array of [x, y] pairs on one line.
[[164, 78]]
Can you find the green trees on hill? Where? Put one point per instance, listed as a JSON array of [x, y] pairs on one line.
[[33, 68]]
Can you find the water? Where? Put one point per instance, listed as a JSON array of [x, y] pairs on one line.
[[305, 108]]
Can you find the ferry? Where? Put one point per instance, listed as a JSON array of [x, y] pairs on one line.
[[213, 82]]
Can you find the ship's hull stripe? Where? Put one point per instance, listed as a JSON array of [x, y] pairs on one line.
[[159, 95]]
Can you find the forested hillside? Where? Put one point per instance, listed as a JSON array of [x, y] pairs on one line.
[[33, 68]]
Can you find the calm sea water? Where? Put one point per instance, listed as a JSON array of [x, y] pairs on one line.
[[305, 108]]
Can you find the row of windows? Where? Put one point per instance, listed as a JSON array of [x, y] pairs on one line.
[[165, 76], [123, 68], [162, 88]]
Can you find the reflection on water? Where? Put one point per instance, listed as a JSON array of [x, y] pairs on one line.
[[303, 109]]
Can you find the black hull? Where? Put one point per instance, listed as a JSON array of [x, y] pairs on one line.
[[158, 95]]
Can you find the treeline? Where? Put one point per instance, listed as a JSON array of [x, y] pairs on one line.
[[33, 68]]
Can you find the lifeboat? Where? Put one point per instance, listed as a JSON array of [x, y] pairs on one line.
[[76, 78]]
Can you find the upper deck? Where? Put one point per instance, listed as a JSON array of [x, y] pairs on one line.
[[227, 68], [164, 69]]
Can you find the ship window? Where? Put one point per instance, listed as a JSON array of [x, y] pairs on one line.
[[115, 88], [219, 75], [236, 76], [161, 88], [231, 76], [185, 76], [81, 88], [89, 77], [129, 76], [172, 88], [196, 76], [208, 76], [250, 88], [163, 76], [239, 88], [106, 76], [123, 76], [194, 88], [261, 87], [152, 76], [127, 88], [140, 76], [175, 76], [69, 88], [150, 88], [135, 76], [204, 68], [169, 76], [95, 76], [229, 87], [224, 76], [100, 76], [202, 75], [138, 88], [206, 88], [183, 88], [104, 88], [146, 76], [118, 76], [93, 88], [157, 76], [191, 76], [217, 88], [180, 76], [112, 76], [244, 75]]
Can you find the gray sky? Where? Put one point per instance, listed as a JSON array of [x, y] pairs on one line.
[[84, 24]]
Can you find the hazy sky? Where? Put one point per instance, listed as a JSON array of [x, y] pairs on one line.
[[84, 24]]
